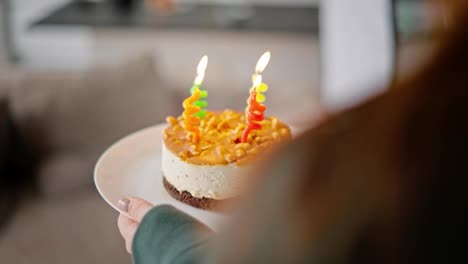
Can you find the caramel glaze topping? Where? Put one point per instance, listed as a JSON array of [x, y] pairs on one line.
[[220, 139]]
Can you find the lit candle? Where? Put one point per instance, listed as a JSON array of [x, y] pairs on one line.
[[191, 121], [193, 105], [254, 113], [201, 68]]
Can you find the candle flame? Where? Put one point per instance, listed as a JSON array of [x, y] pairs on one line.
[[257, 81], [199, 79], [202, 65], [201, 70], [263, 62]]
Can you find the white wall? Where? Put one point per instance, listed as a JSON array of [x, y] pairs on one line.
[[53, 48], [357, 50], [71, 48], [259, 2]]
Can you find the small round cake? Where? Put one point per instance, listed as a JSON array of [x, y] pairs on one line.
[[212, 171]]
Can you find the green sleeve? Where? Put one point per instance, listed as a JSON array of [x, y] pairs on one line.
[[166, 235]]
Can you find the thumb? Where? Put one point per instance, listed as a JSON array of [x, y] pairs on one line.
[[136, 207]]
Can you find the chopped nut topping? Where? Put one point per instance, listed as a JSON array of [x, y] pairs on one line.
[[172, 120], [240, 153], [193, 149], [219, 151], [228, 157], [275, 135], [274, 123], [220, 138], [242, 146]]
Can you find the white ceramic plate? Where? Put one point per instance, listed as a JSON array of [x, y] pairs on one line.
[[132, 167]]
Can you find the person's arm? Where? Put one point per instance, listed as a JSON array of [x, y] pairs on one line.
[[167, 235]]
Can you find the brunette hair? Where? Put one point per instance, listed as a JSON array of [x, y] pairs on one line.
[[383, 182], [402, 160]]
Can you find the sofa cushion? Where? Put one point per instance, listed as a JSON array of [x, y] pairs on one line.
[[16, 165], [4, 146], [71, 119], [4, 128]]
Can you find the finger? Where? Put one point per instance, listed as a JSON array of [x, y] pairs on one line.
[[127, 228], [137, 208], [128, 246], [124, 222], [130, 234]]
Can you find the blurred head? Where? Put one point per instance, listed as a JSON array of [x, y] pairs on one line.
[[384, 182], [408, 152]]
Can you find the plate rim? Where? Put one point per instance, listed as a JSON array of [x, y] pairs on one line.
[[108, 150]]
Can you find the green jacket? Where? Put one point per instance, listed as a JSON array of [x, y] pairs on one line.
[[167, 235]]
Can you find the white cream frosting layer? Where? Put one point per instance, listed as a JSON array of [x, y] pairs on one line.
[[216, 182]]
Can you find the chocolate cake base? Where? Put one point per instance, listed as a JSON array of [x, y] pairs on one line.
[[202, 203]]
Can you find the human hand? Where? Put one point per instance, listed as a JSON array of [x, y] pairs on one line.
[[136, 209]]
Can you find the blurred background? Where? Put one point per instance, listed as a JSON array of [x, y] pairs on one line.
[[75, 76]]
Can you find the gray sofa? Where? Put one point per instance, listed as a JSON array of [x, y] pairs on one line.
[[65, 121]]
